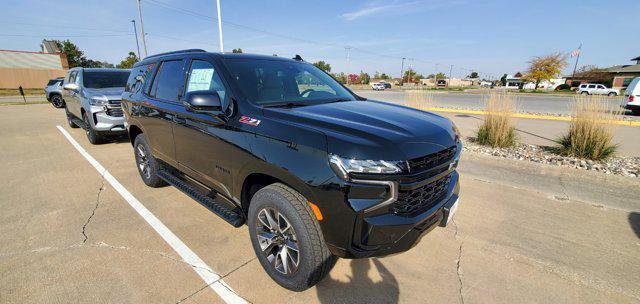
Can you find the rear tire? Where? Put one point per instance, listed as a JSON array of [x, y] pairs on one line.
[[636, 112], [612, 94], [584, 93], [147, 165], [94, 137], [70, 119], [57, 102], [292, 225]]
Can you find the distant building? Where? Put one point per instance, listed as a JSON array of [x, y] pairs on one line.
[[31, 69], [618, 76], [624, 74], [514, 82], [452, 83]]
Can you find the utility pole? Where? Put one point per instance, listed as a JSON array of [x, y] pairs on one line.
[[135, 32], [402, 70], [348, 49], [450, 70], [220, 27], [144, 39], [435, 76]]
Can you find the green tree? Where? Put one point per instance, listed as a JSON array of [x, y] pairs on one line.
[[473, 75], [503, 80], [364, 78], [384, 76], [129, 61], [89, 63], [238, 51], [340, 77], [545, 67], [376, 75], [411, 76], [323, 66], [441, 76], [75, 57]]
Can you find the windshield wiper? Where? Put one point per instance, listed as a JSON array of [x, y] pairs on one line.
[[284, 105]]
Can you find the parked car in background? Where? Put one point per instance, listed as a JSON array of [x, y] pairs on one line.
[[316, 173], [377, 86], [92, 101], [53, 92], [596, 89], [632, 96], [386, 84]]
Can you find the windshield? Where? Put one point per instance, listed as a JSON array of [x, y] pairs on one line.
[[100, 80], [275, 82]]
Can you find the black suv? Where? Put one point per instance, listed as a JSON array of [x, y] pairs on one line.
[[315, 171]]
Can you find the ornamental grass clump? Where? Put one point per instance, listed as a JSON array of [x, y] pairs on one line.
[[592, 127], [418, 99], [497, 129]]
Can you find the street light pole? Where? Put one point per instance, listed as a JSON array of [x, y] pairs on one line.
[[135, 32], [220, 26], [144, 39], [402, 70], [450, 70], [348, 49]]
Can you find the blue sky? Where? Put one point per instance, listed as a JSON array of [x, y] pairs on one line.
[[491, 37]]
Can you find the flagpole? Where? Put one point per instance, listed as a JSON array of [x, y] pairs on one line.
[[577, 58]]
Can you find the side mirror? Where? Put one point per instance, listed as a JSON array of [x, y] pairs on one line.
[[203, 102], [71, 87]]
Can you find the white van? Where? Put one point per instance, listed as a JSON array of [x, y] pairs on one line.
[[632, 96]]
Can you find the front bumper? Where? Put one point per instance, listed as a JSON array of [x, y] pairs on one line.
[[107, 119], [390, 229]]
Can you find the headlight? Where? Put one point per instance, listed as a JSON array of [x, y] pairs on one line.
[[98, 101], [344, 166], [456, 131]]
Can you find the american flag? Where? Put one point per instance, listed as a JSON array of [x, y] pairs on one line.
[[576, 52]]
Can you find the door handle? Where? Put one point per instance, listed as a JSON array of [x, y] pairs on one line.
[[179, 120]]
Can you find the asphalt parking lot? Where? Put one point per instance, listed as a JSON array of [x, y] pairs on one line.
[[523, 233]]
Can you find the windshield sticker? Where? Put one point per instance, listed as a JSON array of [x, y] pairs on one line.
[[249, 121]]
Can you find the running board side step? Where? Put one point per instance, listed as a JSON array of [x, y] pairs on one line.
[[222, 210], [80, 123]]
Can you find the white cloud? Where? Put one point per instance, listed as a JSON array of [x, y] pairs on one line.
[[375, 8]]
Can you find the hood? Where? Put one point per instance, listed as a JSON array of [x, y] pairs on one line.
[[110, 93], [372, 129]]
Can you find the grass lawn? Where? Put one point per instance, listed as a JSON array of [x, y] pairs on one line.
[[15, 92]]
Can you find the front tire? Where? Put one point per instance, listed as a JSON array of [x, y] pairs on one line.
[[93, 136], [287, 238], [148, 166]]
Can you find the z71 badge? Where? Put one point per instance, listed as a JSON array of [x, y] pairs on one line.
[[249, 121]]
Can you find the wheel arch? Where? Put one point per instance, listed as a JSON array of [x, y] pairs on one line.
[[133, 132]]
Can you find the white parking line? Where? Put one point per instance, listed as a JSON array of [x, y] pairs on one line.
[[198, 265]]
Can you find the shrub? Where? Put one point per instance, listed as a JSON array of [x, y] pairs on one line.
[[563, 87], [418, 99], [591, 129], [497, 129]]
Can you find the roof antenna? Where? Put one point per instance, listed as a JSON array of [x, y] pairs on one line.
[[298, 58]]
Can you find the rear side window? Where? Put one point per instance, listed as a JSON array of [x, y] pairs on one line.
[[168, 82], [592, 86], [139, 77]]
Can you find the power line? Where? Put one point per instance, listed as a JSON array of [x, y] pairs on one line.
[[65, 26], [66, 36]]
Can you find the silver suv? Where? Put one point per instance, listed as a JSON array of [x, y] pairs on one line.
[[92, 101], [596, 89], [53, 91]]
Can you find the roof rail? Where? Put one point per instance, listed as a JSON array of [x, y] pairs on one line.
[[176, 52]]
